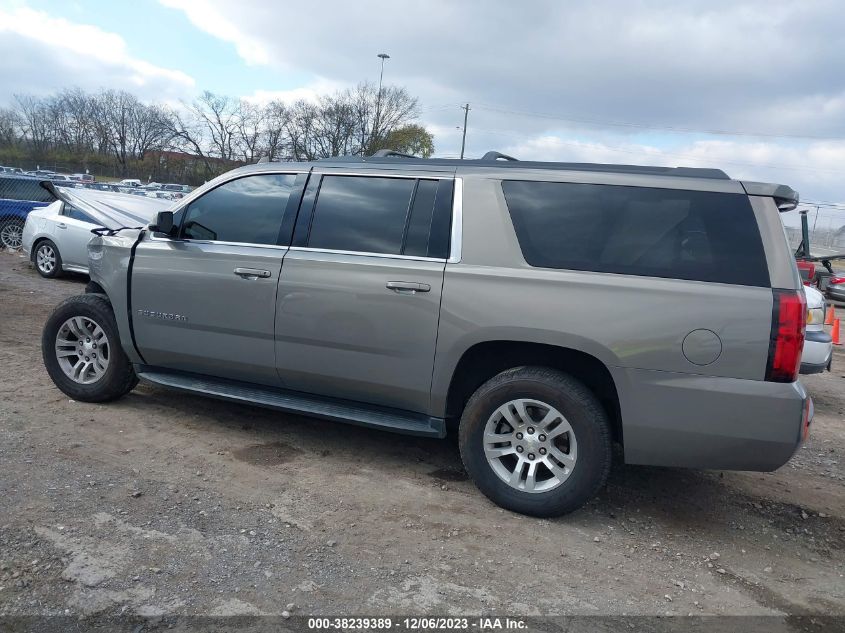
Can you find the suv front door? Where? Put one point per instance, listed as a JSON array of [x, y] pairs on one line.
[[205, 302], [359, 297]]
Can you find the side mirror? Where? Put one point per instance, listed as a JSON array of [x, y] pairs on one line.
[[163, 222]]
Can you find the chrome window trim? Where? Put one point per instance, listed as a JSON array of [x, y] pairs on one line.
[[457, 234], [434, 175], [455, 238], [331, 251], [199, 191], [155, 238]]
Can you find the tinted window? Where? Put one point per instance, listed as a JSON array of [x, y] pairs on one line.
[[246, 210], [76, 214], [639, 231], [362, 214], [419, 223], [24, 189]]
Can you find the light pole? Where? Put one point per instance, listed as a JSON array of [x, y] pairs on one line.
[[382, 56]]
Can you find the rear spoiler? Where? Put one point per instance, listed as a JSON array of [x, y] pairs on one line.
[[54, 191], [785, 197]]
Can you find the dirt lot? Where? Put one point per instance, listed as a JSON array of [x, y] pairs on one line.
[[165, 503]]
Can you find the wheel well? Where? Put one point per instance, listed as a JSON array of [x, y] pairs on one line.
[[484, 360], [93, 288], [35, 247]]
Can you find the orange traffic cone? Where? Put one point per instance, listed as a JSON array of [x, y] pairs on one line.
[[830, 316], [835, 332]]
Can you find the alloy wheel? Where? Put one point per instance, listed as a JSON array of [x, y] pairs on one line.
[[530, 445], [45, 259], [82, 349], [11, 235]]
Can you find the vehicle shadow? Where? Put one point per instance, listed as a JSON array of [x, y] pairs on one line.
[[672, 498]]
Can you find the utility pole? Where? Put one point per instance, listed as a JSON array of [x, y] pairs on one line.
[[464, 139]]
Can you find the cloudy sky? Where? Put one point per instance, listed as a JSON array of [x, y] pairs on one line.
[[756, 88]]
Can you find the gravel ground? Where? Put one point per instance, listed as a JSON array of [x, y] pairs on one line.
[[164, 503]]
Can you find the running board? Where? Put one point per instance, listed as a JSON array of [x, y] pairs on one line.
[[357, 413]]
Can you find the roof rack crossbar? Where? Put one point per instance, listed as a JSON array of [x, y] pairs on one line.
[[492, 155]]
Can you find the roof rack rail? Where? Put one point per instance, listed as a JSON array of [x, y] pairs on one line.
[[497, 155], [385, 153]]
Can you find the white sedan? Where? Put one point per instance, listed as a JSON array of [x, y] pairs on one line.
[[56, 237]]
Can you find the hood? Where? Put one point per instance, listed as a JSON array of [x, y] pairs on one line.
[[110, 209]]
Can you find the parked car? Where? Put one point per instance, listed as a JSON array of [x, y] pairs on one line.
[[540, 310], [818, 344], [55, 238], [19, 195], [130, 182], [836, 288], [84, 178]]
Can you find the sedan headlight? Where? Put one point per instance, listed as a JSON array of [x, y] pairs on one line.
[[815, 316]]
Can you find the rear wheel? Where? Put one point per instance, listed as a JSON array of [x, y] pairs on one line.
[[536, 441], [11, 233], [82, 353], [47, 260]]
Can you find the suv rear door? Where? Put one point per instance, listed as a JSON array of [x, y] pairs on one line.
[[205, 302], [359, 297]]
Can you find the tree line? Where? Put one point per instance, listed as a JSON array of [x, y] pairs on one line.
[[113, 133]]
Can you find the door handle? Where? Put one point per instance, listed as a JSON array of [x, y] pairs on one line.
[[251, 273], [62, 225], [407, 287]]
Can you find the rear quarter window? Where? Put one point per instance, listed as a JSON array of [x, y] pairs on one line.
[[670, 233]]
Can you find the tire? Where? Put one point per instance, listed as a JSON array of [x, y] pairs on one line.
[[581, 455], [47, 260], [11, 233], [99, 370]]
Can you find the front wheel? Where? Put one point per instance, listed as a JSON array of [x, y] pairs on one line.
[[82, 353], [536, 441]]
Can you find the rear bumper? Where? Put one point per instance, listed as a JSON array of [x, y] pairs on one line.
[[687, 420]]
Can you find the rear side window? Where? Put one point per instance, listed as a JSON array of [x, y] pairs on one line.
[[375, 214], [670, 233], [76, 214], [247, 210], [361, 214], [29, 189]]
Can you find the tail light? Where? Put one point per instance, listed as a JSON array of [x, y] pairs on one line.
[[789, 318], [837, 280]]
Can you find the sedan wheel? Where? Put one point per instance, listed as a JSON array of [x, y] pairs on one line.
[[45, 259], [11, 234]]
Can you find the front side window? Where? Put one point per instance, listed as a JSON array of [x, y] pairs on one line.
[[670, 233], [247, 210]]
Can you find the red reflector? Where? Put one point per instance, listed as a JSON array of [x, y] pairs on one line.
[[789, 318], [808, 417]]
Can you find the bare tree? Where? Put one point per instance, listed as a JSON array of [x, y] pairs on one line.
[[276, 119], [219, 115], [9, 128], [115, 132], [249, 123]]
